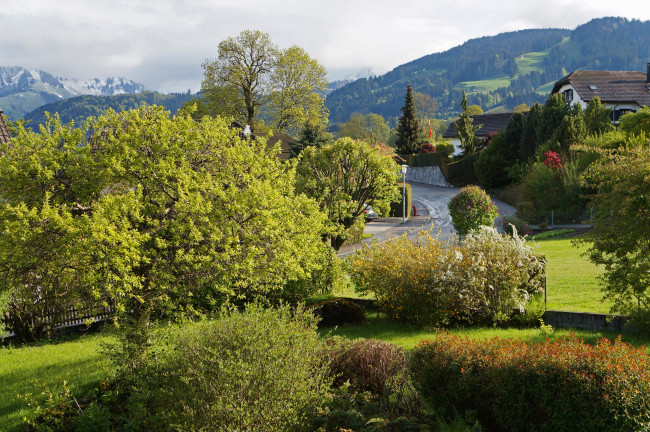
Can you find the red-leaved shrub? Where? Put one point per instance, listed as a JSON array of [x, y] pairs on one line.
[[368, 364], [512, 385]]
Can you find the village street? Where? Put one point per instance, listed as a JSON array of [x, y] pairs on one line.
[[432, 213]]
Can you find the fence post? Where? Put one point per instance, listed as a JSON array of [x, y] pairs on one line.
[[545, 301]]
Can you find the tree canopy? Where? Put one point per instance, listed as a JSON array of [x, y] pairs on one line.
[[148, 211], [252, 78], [620, 239], [345, 176], [371, 128], [466, 129]]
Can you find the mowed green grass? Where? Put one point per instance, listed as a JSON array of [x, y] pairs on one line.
[[43, 367], [571, 279], [408, 337]]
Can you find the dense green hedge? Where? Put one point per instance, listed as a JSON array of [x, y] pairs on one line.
[[513, 385], [396, 207], [427, 159]]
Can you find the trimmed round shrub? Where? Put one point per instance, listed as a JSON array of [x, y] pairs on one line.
[[471, 208], [516, 385], [256, 370]]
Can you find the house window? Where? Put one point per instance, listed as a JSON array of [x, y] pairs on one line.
[[568, 96], [618, 113]]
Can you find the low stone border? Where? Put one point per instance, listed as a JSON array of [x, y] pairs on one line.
[[585, 320]]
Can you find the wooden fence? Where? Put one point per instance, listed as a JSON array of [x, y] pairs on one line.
[[73, 316]]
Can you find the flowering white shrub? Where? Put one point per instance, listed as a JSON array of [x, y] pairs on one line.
[[427, 282]]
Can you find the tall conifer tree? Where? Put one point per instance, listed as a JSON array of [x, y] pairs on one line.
[[466, 129], [408, 135]]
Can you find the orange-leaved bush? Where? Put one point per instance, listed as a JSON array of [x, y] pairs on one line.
[[516, 385]]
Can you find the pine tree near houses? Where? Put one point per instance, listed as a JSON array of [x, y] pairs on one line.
[[466, 130], [408, 135]]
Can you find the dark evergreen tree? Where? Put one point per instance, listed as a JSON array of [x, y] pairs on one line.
[[572, 130], [529, 134], [408, 129], [466, 130], [314, 134], [553, 112], [514, 132]]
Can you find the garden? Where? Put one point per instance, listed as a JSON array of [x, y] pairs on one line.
[[228, 317]]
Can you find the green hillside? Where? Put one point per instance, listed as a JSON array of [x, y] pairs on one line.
[[503, 70], [79, 108]]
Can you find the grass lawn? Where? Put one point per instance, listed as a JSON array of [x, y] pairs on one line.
[[43, 367], [572, 280], [408, 337]]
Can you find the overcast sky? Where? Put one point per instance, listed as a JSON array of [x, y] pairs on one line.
[[163, 43]]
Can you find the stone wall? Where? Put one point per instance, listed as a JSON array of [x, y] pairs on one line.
[[583, 320], [427, 175]]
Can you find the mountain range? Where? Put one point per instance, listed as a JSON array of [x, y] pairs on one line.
[[23, 90], [497, 73]]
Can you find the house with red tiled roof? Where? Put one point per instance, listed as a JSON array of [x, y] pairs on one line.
[[4, 131], [620, 91]]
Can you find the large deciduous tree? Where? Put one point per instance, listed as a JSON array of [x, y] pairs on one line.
[[371, 128], [151, 212], [345, 176], [239, 76], [296, 95], [251, 77], [620, 239], [408, 130]]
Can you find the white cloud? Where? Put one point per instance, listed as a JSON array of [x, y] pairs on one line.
[[163, 43]]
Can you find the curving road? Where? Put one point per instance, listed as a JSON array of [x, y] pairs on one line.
[[431, 203]]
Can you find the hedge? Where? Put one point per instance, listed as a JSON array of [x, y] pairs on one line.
[[512, 385]]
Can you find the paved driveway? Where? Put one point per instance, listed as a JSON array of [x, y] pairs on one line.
[[431, 203]]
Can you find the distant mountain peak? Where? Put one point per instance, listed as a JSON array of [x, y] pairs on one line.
[[17, 83]]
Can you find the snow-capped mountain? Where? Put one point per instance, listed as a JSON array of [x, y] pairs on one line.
[[22, 90]]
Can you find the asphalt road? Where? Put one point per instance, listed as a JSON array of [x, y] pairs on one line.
[[431, 203]]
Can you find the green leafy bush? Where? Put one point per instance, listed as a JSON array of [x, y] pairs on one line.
[[246, 371], [513, 385], [428, 282], [555, 192], [470, 209], [553, 233]]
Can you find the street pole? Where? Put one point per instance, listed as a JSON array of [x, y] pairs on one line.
[[404, 168]]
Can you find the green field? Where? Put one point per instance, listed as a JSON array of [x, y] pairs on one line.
[[571, 279], [485, 85], [408, 337], [529, 62]]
